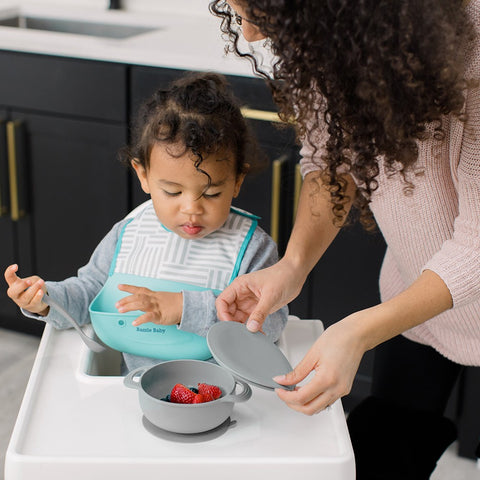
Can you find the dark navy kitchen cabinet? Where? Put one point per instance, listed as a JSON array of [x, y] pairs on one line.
[[8, 228], [62, 186]]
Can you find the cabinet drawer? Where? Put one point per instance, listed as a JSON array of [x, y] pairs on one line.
[[252, 92], [80, 88], [145, 81]]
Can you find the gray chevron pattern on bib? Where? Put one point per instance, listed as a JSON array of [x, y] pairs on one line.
[[148, 249]]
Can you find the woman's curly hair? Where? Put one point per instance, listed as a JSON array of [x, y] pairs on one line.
[[199, 113], [383, 69]]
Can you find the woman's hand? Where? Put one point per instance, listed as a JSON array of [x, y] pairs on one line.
[[27, 292], [334, 358], [252, 297], [162, 308]]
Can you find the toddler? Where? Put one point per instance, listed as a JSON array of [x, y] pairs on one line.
[[190, 149]]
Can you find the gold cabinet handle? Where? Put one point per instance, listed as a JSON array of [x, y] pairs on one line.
[[15, 211], [3, 169], [277, 166], [296, 190], [264, 115]]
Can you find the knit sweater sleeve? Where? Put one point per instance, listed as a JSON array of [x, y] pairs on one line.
[[314, 144], [458, 261], [313, 149]]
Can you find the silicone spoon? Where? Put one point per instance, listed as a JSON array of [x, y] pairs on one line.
[[89, 342]]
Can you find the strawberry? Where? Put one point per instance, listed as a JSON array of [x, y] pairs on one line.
[[199, 398], [210, 392], [181, 394]]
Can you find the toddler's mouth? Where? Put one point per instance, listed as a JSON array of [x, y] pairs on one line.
[[192, 229]]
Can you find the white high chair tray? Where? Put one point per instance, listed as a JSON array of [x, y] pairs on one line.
[[76, 424]]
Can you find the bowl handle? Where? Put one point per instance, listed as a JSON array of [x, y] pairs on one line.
[[132, 380], [243, 396]]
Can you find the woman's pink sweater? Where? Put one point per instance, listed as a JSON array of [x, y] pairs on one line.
[[436, 225]]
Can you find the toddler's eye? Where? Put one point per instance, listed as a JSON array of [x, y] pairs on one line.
[[171, 194], [212, 195]]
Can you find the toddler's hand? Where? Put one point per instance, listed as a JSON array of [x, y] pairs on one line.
[[28, 292], [162, 308]]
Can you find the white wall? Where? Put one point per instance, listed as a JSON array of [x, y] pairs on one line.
[[187, 6], [199, 7]]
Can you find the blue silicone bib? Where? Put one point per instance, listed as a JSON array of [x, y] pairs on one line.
[[164, 342]]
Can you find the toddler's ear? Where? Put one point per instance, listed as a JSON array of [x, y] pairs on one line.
[[141, 174], [239, 182]]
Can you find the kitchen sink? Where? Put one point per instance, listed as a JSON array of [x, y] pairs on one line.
[[79, 27]]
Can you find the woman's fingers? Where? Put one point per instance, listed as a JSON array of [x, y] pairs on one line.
[[318, 404], [258, 316], [322, 389], [311, 398], [298, 373], [237, 302], [243, 302], [226, 304]]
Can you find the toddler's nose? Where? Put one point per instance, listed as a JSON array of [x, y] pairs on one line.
[[192, 206]]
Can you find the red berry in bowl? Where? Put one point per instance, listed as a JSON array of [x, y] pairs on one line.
[[181, 394], [210, 392], [199, 398]]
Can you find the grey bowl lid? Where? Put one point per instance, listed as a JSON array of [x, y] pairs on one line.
[[252, 357]]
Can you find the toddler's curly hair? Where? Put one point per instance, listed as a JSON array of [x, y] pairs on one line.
[[199, 112]]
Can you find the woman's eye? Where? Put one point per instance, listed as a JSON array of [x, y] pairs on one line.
[[171, 194]]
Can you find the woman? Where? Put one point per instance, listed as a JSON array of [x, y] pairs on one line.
[[385, 99]]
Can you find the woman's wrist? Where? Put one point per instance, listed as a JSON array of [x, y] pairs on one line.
[[359, 327], [427, 297], [375, 325], [296, 267]]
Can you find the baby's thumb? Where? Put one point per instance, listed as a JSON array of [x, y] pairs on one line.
[[10, 274]]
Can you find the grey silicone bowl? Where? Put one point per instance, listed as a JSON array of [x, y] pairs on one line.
[[155, 383]]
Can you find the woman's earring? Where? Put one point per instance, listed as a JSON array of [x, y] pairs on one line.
[[238, 19]]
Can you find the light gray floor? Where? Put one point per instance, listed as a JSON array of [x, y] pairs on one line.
[[17, 353]]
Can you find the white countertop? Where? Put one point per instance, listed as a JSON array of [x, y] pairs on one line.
[[191, 42], [74, 424]]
